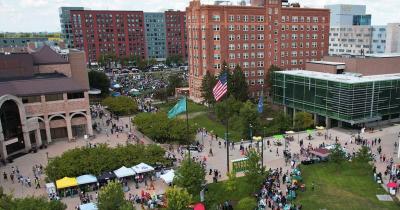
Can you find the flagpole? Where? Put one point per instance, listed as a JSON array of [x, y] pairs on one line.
[[227, 139]]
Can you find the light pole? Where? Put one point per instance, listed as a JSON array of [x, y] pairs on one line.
[[251, 133], [262, 149]]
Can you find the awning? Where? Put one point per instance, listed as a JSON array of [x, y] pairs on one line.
[[86, 179], [142, 168], [106, 176], [124, 172], [168, 177], [66, 182], [88, 206], [289, 132]]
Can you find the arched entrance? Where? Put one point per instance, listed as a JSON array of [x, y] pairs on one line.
[[12, 127], [79, 124], [58, 127]]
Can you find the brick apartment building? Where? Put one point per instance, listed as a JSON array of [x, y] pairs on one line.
[[43, 97], [129, 33], [175, 22], [254, 36], [99, 32]]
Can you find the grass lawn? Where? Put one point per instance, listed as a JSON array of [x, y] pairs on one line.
[[203, 121], [217, 193], [344, 187]]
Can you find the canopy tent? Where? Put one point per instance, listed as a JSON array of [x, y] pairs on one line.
[[310, 131], [117, 86], [320, 127], [133, 90], [289, 132], [106, 176], [142, 168], [94, 91], [50, 188], [124, 172], [199, 206], [279, 137], [168, 177], [86, 179], [88, 206], [66, 182], [257, 138]]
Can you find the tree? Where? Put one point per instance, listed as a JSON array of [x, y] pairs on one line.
[[337, 155], [303, 120], [248, 115], [31, 203], [254, 172], [121, 105], [178, 199], [271, 70], [230, 184], [207, 85], [100, 81], [111, 197], [239, 88], [363, 155], [246, 203], [191, 176], [174, 81]]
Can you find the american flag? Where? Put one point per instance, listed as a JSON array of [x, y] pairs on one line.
[[221, 87]]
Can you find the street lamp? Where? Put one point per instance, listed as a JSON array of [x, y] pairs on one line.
[[251, 133]]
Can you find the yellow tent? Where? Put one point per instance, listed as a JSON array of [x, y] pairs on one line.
[[66, 182]]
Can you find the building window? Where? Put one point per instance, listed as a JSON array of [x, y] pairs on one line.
[[54, 97], [30, 99], [216, 18], [76, 95]]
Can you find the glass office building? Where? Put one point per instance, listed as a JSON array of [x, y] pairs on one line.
[[346, 99], [361, 20]]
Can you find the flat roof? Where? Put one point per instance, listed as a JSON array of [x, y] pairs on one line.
[[344, 78], [383, 55], [327, 63]]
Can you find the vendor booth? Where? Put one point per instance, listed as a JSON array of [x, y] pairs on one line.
[[142, 168], [105, 177], [88, 206], [66, 186], [124, 172], [168, 177], [87, 182]]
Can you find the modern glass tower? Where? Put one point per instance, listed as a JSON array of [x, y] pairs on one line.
[[343, 99]]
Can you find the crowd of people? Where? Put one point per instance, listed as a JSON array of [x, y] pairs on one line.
[[15, 176]]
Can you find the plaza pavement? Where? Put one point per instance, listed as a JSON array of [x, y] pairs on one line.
[[388, 135]]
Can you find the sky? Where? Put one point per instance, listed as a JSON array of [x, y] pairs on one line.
[[42, 15]]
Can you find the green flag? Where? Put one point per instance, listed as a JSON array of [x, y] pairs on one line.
[[178, 108]]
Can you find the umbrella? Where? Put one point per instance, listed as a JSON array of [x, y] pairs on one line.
[[310, 131], [320, 127], [391, 185], [289, 132], [278, 137], [199, 206]]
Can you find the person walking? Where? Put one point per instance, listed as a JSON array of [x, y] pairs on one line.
[[5, 176], [12, 178]]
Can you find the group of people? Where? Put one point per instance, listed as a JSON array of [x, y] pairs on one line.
[[16, 176]]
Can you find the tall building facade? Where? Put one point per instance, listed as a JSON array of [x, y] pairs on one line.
[[155, 35], [355, 40], [66, 25], [348, 15], [255, 37], [98, 32], [378, 40], [176, 36], [393, 38]]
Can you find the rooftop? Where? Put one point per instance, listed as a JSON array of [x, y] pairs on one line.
[[327, 63], [343, 78]]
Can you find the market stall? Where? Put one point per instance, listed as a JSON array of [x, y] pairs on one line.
[[124, 172], [66, 182], [168, 177], [106, 177], [142, 168], [88, 206], [87, 182]]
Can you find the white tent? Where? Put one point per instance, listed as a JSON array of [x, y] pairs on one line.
[[124, 172], [168, 177], [142, 168]]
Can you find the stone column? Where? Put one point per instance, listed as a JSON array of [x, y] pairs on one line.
[[38, 138], [27, 140], [47, 127], [3, 151], [328, 122], [89, 124], [69, 128]]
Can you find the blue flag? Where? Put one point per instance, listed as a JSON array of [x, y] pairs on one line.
[[260, 106], [178, 108]]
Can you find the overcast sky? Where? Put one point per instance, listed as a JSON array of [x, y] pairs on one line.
[[42, 15]]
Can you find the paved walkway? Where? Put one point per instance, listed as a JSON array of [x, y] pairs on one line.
[[388, 135]]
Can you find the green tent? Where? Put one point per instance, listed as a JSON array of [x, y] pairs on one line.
[[310, 131], [279, 137]]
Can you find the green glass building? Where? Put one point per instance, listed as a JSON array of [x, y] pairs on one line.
[[339, 99]]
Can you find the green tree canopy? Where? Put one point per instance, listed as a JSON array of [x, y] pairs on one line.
[[28, 203], [99, 80], [159, 128], [246, 203], [174, 81], [191, 176], [239, 88], [254, 172], [337, 155], [207, 85], [121, 105], [363, 155], [178, 198], [111, 197], [303, 120]]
